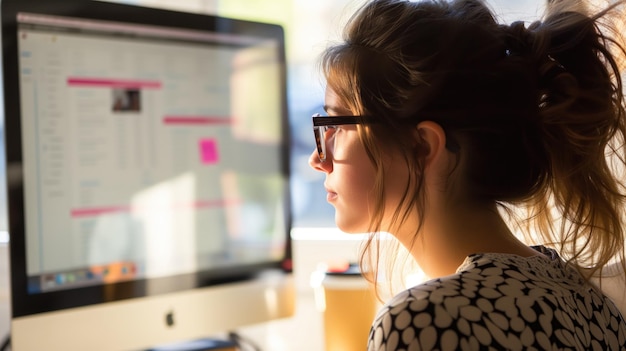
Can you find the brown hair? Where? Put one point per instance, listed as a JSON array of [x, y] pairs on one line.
[[530, 112]]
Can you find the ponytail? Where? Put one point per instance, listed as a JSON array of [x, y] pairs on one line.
[[581, 121]]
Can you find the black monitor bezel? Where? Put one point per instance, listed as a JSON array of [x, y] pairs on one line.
[[23, 303]]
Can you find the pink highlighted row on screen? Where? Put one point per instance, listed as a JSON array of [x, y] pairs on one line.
[[102, 210], [113, 83], [197, 120]]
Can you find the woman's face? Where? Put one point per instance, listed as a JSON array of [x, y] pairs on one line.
[[350, 175]]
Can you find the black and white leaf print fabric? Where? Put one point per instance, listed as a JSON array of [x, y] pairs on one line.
[[502, 302]]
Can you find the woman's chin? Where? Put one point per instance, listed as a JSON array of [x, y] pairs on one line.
[[350, 228]]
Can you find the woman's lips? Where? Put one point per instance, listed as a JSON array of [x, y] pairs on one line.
[[330, 195]]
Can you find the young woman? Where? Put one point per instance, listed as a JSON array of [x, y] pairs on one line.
[[442, 127]]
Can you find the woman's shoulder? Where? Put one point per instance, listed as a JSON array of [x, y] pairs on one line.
[[433, 313], [486, 276], [494, 300], [436, 301], [485, 283]]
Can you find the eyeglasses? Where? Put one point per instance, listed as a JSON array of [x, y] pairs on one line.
[[324, 125]]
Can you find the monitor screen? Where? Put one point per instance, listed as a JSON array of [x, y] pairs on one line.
[[149, 153]]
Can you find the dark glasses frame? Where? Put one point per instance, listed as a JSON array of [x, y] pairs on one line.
[[322, 123]]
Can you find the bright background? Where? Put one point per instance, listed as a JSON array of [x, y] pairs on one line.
[[310, 26]]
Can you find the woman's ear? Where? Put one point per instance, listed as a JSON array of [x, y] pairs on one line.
[[433, 141]]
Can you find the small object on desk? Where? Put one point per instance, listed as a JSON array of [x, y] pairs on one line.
[[349, 306]]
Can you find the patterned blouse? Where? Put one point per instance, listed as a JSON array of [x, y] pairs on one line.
[[502, 302]]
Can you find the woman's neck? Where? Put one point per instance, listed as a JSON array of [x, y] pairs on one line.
[[449, 236]]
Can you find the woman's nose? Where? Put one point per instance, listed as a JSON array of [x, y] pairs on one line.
[[316, 164]]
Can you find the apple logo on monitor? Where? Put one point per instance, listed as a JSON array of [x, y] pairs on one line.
[[169, 318]]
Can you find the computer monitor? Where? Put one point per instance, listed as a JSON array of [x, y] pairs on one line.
[[148, 177]]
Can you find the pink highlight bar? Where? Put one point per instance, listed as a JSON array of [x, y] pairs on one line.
[[196, 120], [209, 154], [198, 204], [113, 83], [217, 203], [97, 211]]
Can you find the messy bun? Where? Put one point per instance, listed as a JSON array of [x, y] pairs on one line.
[[580, 120]]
